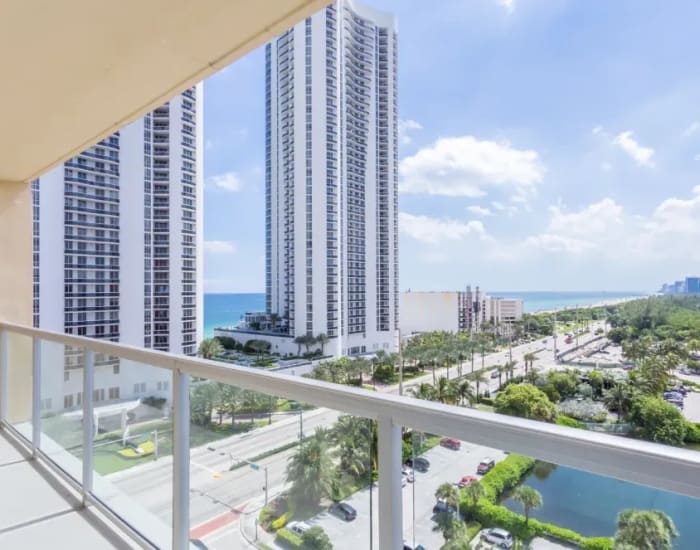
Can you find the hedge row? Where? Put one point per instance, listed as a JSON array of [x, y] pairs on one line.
[[505, 475], [286, 538]]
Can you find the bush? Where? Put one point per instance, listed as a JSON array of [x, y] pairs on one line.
[[152, 401], [597, 543], [316, 539], [692, 434], [551, 392], [564, 420], [385, 374], [527, 401], [280, 522], [659, 421], [289, 539], [586, 410], [487, 401], [473, 528], [228, 343], [505, 475]]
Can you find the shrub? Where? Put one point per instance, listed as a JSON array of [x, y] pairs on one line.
[[527, 401], [585, 410], [551, 392], [692, 434], [385, 374], [597, 543], [564, 420], [505, 475], [487, 401], [264, 515], [280, 521], [659, 421], [316, 539], [473, 528], [289, 539], [228, 343]]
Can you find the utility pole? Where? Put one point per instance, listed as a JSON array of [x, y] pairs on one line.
[[253, 466]]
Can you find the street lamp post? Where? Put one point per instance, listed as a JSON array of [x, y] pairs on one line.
[[253, 466]]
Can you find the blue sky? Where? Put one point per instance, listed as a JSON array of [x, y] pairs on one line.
[[545, 145]]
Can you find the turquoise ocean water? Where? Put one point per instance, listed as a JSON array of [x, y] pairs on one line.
[[228, 309]]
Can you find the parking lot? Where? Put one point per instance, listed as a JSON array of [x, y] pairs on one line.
[[446, 465]]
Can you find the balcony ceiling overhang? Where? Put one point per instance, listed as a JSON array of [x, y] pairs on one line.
[[75, 71]]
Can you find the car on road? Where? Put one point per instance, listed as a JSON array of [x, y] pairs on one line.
[[298, 527], [544, 341], [344, 511], [485, 466], [466, 480], [500, 537], [451, 443], [408, 474], [419, 464], [494, 374]]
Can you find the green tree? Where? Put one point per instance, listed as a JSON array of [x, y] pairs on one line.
[[315, 538], [299, 341], [322, 339], [461, 543], [449, 494], [464, 393], [565, 382], [525, 400], [210, 348], [473, 492], [445, 391], [479, 377], [644, 530], [656, 420], [528, 498], [351, 437], [619, 399], [204, 397], [310, 470], [423, 391], [451, 527]]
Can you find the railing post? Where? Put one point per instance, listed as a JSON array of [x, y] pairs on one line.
[[4, 357], [36, 394], [390, 500], [181, 460], [88, 423]]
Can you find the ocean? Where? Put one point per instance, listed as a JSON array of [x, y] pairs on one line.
[[222, 310]]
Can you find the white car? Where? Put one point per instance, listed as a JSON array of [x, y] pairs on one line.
[[298, 527], [500, 537], [408, 474]]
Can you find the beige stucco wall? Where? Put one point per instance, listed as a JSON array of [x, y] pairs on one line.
[[16, 290]]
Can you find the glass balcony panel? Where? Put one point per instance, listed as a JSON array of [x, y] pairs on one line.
[[264, 469], [62, 369], [19, 383], [132, 456]]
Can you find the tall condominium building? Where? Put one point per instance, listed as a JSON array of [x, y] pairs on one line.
[[118, 242], [331, 179]]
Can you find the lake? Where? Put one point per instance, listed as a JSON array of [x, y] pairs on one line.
[[589, 504]]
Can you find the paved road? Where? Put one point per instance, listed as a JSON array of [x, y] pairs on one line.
[[214, 489]]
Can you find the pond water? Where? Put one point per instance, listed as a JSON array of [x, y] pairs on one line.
[[589, 504]]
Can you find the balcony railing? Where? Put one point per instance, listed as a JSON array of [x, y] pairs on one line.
[[32, 361]]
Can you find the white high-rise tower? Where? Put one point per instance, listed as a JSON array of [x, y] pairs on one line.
[[118, 240], [331, 178]]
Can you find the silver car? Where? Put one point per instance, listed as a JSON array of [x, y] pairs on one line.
[[499, 537]]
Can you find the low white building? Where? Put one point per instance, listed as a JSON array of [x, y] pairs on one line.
[[455, 311]]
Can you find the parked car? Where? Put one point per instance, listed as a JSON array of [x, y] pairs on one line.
[[408, 474], [499, 537], [407, 546], [466, 480], [494, 374], [298, 527], [485, 466], [442, 506], [544, 341], [419, 464], [451, 443], [673, 395], [344, 511]]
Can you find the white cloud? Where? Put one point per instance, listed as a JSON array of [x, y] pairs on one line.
[[406, 127], [595, 219], [642, 155], [597, 130], [558, 243], [219, 247], [509, 210], [696, 157], [509, 5], [479, 210], [465, 166], [208, 145], [606, 167], [230, 181], [436, 230], [692, 129]]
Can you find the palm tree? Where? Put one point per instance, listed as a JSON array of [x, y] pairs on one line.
[[619, 398], [500, 369], [479, 378], [210, 348], [423, 391], [445, 391], [350, 434], [510, 369], [448, 493], [644, 530], [528, 498], [464, 392], [310, 470], [473, 492], [529, 359], [322, 339], [299, 340]]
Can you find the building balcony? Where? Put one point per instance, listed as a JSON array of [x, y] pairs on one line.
[[170, 478]]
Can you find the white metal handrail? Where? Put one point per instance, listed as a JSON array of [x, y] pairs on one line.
[[663, 467]]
